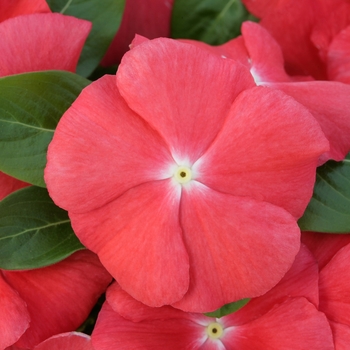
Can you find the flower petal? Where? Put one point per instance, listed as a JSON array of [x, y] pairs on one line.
[[14, 318], [59, 297], [101, 149], [301, 280], [186, 92], [22, 39], [329, 103], [10, 8], [335, 289], [238, 247], [295, 324], [66, 341], [139, 240], [9, 184], [338, 57], [112, 331], [150, 19], [267, 150]]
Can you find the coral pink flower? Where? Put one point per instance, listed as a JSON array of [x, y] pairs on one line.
[[329, 102], [183, 174], [9, 184], [148, 18], [285, 318], [39, 303]]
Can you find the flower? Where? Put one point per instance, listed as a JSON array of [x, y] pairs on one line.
[[284, 318], [66, 341], [184, 177]]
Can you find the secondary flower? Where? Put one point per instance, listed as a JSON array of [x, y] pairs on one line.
[[66, 341], [284, 318], [185, 177]]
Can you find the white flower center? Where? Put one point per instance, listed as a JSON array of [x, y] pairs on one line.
[[215, 330], [183, 174]]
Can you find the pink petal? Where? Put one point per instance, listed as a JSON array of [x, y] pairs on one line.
[[66, 341], [14, 318], [186, 92], [150, 19], [324, 246], [9, 184], [338, 57], [295, 324], [266, 55], [335, 287], [131, 309], [329, 103], [59, 297], [301, 280], [341, 335], [22, 49], [238, 247], [101, 149], [139, 240], [273, 155], [10, 8], [114, 332]]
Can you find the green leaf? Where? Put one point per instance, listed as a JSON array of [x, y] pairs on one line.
[[228, 308], [329, 208], [34, 232], [31, 105], [211, 21], [105, 16]]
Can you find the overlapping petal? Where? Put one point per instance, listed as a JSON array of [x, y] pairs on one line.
[[10, 8], [188, 96], [238, 247], [64, 37], [139, 240], [267, 149], [14, 318], [66, 341], [329, 103], [58, 297], [102, 141], [150, 19], [338, 57]]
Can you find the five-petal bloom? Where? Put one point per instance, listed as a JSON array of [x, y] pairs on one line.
[[185, 177]]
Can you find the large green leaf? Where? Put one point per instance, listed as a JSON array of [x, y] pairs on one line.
[[228, 308], [105, 16], [211, 21], [329, 208], [34, 232], [31, 105]]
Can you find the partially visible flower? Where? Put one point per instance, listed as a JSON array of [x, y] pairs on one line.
[[307, 45], [148, 18], [39, 303], [184, 177], [22, 33], [285, 318]]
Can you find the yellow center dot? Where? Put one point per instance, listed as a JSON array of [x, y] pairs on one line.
[[215, 330], [183, 174]]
